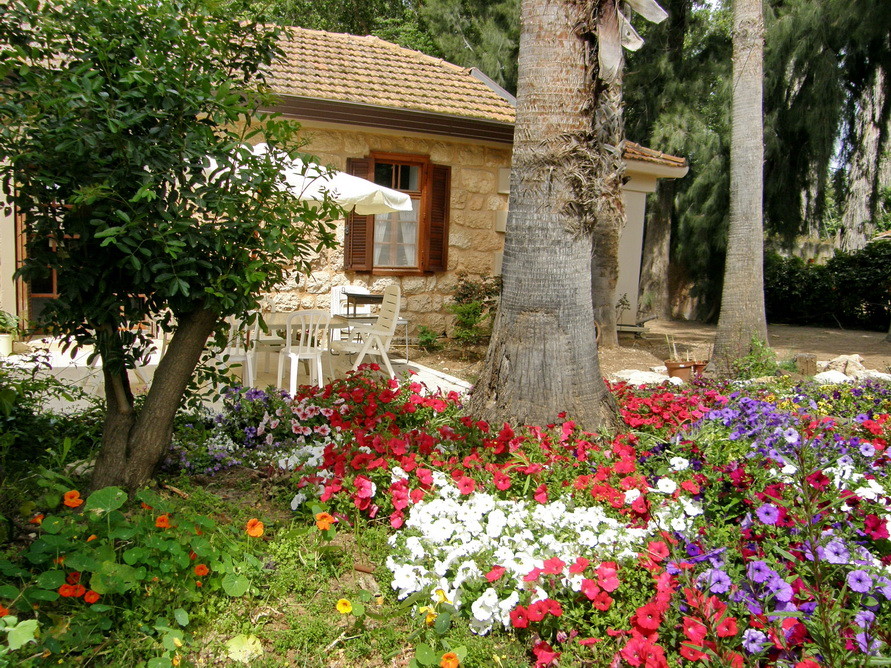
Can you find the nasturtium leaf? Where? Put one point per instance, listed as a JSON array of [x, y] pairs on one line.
[[235, 585], [460, 652], [425, 655], [442, 623], [358, 609], [159, 662], [23, 633], [8, 591], [53, 524], [181, 617], [105, 500], [36, 594], [244, 648], [51, 579]]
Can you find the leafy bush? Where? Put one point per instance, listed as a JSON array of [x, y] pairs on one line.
[[474, 303], [850, 290], [30, 433], [761, 361], [428, 339]]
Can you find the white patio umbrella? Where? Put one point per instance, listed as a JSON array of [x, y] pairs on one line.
[[309, 181]]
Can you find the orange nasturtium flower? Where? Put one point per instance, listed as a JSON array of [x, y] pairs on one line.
[[66, 590], [254, 528], [37, 519], [324, 521], [72, 499], [73, 578], [91, 597], [344, 607], [92, 536], [450, 660], [201, 570], [3, 611], [163, 522]]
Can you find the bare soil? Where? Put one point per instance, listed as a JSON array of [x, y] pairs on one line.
[[692, 340]]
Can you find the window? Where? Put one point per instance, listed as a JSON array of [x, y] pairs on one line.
[[403, 242]]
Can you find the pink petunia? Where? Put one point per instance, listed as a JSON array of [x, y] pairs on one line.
[[496, 573]]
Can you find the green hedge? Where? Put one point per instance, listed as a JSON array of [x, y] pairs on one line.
[[852, 290]]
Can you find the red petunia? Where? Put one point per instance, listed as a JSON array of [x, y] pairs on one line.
[[727, 628], [553, 566], [496, 573], [579, 566], [602, 601], [647, 617], [518, 617], [466, 485], [536, 611]]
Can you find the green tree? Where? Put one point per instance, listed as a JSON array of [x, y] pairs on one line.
[[477, 33], [396, 21], [109, 114]]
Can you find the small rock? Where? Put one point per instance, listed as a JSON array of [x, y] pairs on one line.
[[660, 369], [846, 364], [832, 377], [637, 377], [872, 374]]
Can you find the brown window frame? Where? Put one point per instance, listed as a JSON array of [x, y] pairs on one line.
[[435, 184]]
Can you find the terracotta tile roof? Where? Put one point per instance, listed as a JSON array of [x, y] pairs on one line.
[[637, 152], [369, 70]]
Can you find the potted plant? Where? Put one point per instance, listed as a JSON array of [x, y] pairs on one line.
[[678, 368], [9, 324]]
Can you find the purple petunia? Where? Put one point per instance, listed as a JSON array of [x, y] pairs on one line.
[[859, 581], [781, 589], [768, 514], [753, 640], [717, 580], [836, 552], [758, 571]]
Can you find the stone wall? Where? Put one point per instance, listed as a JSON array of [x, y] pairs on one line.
[[476, 238]]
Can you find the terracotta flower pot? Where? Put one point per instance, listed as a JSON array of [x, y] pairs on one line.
[[699, 367], [682, 370]]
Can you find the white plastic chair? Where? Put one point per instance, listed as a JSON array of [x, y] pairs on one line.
[[339, 306], [306, 338], [239, 349], [375, 338]]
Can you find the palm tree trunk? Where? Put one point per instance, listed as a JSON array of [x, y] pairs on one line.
[[742, 316], [542, 358]]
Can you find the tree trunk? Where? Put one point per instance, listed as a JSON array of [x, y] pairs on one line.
[[859, 207], [654, 297], [742, 314], [542, 358], [133, 443]]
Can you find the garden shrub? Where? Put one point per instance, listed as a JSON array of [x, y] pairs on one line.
[[761, 361], [474, 303], [850, 290], [31, 434]]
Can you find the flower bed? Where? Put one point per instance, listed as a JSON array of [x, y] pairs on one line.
[[723, 526]]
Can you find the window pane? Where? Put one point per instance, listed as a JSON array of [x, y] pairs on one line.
[[396, 238], [383, 174], [409, 178]]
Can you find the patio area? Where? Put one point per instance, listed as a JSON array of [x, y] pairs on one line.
[[76, 371]]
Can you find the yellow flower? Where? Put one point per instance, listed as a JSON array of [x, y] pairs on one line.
[[441, 595], [430, 615], [344, 607]]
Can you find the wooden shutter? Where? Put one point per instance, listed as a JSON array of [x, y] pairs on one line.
[[438, 234], [358, 237]]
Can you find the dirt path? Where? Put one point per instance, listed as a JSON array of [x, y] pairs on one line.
[[652, 347]]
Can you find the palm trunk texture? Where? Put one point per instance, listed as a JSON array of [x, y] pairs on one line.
[[542, 358], [742, 314], [133, 443]]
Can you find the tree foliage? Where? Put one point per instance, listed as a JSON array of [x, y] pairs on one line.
[[393, 20], [109, 114], [477, 33]]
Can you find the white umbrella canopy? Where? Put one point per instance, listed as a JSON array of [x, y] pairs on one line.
[[310, 181]]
